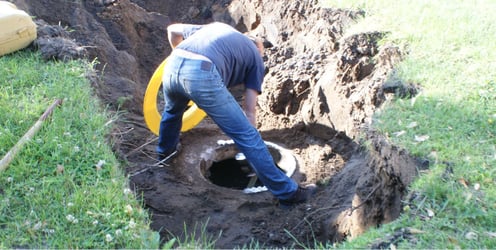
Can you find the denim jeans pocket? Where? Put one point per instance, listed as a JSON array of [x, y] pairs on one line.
[[206, 66]]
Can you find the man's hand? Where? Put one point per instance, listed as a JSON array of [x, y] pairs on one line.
[[250, 105]]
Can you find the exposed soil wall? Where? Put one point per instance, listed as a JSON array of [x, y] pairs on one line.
[[320, 92]]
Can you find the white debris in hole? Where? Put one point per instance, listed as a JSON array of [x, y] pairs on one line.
[[254, 190], [287, 162]]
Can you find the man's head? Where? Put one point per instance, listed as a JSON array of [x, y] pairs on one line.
[[258, 42]]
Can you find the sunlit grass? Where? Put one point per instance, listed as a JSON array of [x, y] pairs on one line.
[[65, 188], [449, 52]]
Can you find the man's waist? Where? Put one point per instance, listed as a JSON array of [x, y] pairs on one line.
[[189, 55]]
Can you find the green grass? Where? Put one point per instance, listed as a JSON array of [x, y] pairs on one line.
[[450, 54], [65, 188]]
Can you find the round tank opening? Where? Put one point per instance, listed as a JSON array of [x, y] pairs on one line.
[[232, 173], [227, 167]]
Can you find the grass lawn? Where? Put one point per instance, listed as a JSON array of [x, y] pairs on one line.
[[450, 53], [65, 188]]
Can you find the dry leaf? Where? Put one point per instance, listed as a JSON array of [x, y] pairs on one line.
[[399, 133], [414, 99], [430, 213], [433, 154], [412, 125], [491, 234], [60, 169], [99, 164], [421, 138], [415, 231], [471, 236], [453, 240], [463, 182], [468, 197], [129, 209]]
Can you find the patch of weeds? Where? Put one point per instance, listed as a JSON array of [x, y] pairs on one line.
[[194, 241]]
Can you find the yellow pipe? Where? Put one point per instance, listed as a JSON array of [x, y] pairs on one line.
[[191, 117]]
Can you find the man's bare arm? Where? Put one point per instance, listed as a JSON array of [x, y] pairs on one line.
[[250, 105], [175, 34]]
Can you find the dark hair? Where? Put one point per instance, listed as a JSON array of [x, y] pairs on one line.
[[265, 42]]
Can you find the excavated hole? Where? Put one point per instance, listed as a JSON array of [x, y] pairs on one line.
[[229, 168], [320, 90]]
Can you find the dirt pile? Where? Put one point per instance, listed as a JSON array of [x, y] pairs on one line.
[[320, 92]]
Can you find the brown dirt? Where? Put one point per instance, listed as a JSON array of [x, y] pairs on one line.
[[320, 92]]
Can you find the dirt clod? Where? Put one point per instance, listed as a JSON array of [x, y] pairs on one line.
[[54, 43]]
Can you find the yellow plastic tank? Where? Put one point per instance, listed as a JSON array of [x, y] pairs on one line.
[[192, 117], [17, 29]]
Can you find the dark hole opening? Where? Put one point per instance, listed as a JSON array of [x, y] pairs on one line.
[[235, 173], [232, 173]]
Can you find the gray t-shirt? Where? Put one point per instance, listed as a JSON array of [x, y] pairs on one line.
[[235, 55]]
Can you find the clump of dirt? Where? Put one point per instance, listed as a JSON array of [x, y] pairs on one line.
[[54, 43], [320, 92]]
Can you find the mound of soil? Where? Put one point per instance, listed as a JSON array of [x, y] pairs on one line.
[[320, 92]]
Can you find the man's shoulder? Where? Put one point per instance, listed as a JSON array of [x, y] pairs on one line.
[[219, 26]]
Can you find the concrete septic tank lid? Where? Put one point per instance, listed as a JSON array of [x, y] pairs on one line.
[[226, 150]]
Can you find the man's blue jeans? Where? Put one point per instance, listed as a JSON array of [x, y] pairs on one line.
[[187, 79]]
